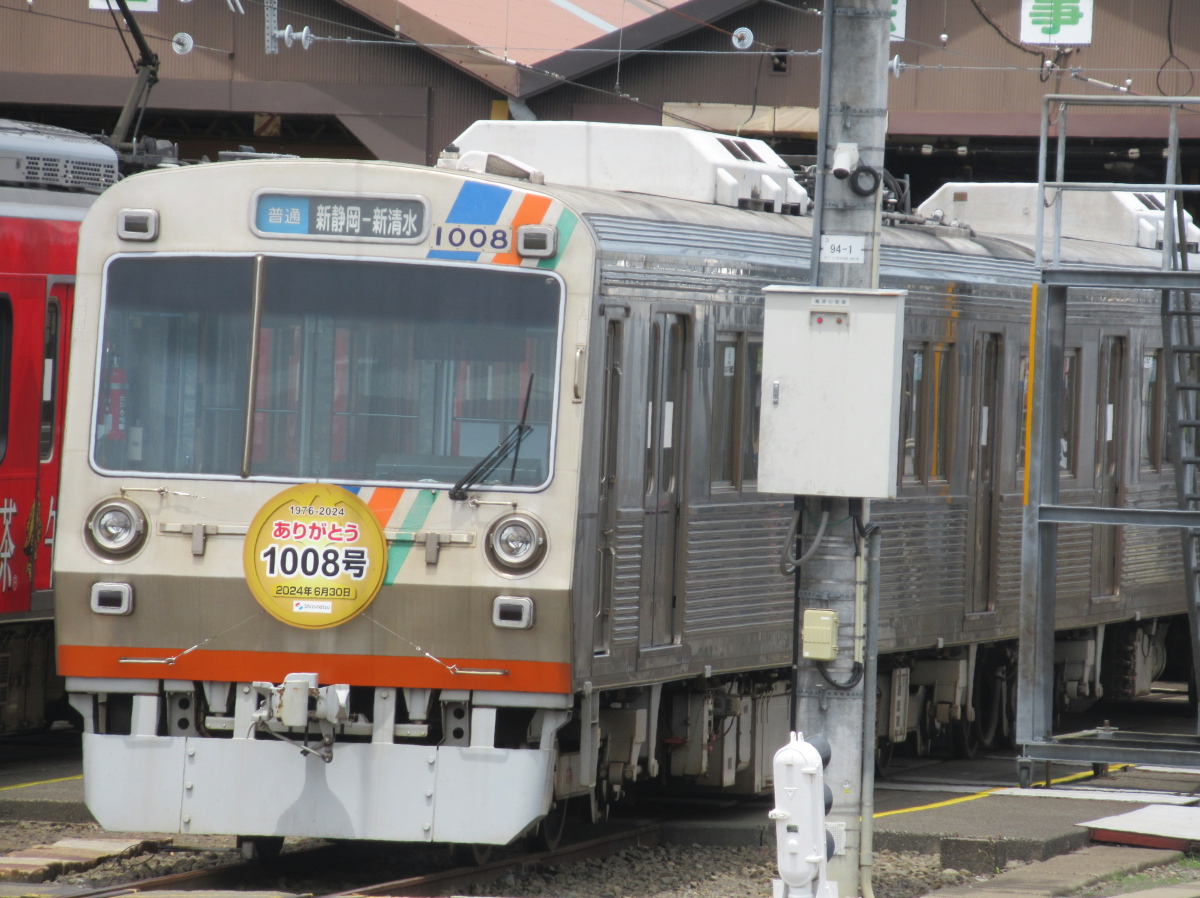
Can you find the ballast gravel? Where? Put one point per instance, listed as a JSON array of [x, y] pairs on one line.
[[677, 871], [666, 871]]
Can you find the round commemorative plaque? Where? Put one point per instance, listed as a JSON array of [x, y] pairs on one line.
[[315, 556]]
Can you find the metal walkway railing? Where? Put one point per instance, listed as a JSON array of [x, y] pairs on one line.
[[1043, 513]]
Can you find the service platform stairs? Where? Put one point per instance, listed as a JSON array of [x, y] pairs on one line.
[[1180, 292]]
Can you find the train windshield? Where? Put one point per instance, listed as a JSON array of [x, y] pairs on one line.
[[366, 371]]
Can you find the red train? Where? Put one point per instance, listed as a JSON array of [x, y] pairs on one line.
[[48, 179]]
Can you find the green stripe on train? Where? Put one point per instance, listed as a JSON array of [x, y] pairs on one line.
[[414, 520], [566, 225]]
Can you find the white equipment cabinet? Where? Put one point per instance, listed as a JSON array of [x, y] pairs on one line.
[[830, 418]]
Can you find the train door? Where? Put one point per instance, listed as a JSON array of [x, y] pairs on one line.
[[22, 337], [609, 462], [1110, 412], [982, 472], [663, 477]]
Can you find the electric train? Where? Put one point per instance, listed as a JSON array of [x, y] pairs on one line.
[[412, 503], [48, 178]]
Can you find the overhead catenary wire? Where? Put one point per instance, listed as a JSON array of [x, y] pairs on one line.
[[1158, 80]]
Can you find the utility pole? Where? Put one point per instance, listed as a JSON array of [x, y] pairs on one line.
[[853, 126]]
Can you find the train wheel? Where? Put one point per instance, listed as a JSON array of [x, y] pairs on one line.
[[260, 848], [988, 699], [919, 738], [470, 855], [549, 833], [964, 735], [884, 749], [596, 809]]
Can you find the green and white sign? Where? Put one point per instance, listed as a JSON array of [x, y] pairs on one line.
[[1056, 21], [899, 14]]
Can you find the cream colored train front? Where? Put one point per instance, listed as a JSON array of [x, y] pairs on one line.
[[249, 604]]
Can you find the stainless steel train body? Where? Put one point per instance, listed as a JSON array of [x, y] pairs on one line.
[[606, 605]]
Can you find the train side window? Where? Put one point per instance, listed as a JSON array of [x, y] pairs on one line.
[[1022, 431], [912, 409], [737, 396], [49, 382], [1152, 412], [942, 405], [927, 412], [6, 338], [724, 405], [1070, 413], [752, 406], [651, 387]]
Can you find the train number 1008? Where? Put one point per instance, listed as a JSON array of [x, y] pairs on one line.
[[467, 239], [329, 563]]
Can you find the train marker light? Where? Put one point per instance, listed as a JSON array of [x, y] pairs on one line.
[[802, 800], [137, 224], [537, 241], [112, 598], [512, 612], [315, 556]]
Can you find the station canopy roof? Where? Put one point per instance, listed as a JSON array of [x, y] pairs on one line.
[[565, 37]]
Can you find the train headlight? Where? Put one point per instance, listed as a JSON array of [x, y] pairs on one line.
[[116, 527], [516, 542]]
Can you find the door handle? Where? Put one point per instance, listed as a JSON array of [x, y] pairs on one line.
[[580, 352]]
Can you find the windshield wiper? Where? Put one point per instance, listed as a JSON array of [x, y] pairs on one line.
[[492, 460]]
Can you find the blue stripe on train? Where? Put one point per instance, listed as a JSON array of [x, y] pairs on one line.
[[452, 254], [477, 203]]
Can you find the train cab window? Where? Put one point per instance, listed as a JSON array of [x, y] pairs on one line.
[[6, 341], [365, 370], [737, 397], [1152, 442], [174, 366], [49, 382], [927, 413]]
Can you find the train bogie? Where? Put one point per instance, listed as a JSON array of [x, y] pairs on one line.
[[411, 504]]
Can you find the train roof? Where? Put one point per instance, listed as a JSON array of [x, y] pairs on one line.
[[34, 155], [632, 223]]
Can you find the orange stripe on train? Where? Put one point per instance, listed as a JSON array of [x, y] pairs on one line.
[[357, 670], [383, 502], [531, 211]]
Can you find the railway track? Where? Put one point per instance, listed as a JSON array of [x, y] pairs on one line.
[[298, 864]]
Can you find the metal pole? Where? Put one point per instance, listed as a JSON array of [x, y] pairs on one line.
[[866, 847], [1169, 213], [1043, 148], [1061, 175], [814, 263], [1039, 543], [854, 97]]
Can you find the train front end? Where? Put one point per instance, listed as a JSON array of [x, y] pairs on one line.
[[319, 501]]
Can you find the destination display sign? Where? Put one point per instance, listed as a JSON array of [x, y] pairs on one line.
[[381, 219]]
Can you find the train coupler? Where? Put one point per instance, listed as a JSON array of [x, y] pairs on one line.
[[299, 702]]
